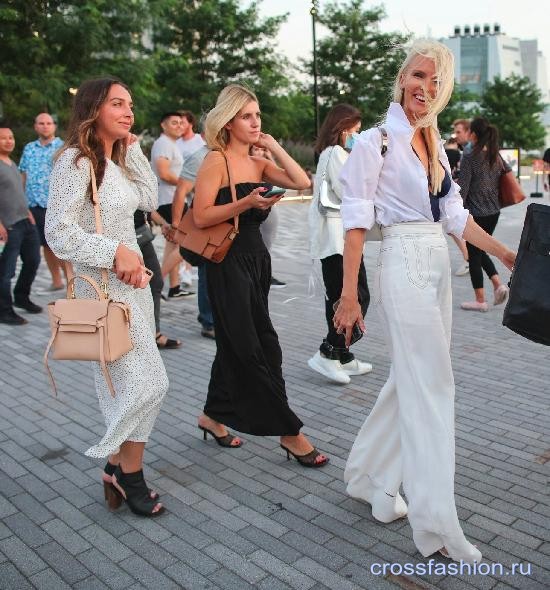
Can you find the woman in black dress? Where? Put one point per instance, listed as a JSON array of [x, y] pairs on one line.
[[247, 389]]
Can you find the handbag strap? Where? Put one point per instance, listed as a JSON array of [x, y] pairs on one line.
[[232, 189], [99, 230]]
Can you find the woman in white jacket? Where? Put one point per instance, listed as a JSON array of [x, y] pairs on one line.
[[326, 238]]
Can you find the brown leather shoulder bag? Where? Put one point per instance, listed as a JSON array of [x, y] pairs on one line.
[[212, 243], [89, 329]]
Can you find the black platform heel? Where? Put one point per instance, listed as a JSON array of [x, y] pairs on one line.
[[110, 491], [133, 489], [223, 441]]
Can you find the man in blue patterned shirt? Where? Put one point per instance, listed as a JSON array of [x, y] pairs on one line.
[[36, 166]]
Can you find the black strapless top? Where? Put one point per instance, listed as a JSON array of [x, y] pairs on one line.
[[434, 199], [250, 216], [249, 240]]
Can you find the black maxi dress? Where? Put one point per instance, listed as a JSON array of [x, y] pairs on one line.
[[247, 390]]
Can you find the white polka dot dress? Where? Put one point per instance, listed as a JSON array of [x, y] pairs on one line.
[[139, 377]]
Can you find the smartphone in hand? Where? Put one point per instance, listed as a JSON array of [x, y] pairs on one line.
[[356, 332], [146, 277], [274, 192]]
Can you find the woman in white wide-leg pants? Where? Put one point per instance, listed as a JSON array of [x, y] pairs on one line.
[[406, 187], [413, 291]]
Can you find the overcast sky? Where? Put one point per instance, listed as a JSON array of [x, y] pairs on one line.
[[525, 19]]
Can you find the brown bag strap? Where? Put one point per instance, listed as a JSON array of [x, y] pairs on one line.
[[232, 189], [102, 363], [54, 334], [99, 229]]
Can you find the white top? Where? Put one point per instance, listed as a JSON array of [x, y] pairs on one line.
[[394, 188], [189, 146], [326, 233], [164, 147]]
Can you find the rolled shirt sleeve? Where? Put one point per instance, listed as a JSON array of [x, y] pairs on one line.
[[359, 179]]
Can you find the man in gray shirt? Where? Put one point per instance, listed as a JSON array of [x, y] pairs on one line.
[[19, 236]]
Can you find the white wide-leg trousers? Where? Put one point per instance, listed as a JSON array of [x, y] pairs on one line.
[[409, 435]]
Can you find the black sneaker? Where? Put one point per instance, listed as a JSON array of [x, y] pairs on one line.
[[11, 318], [179, 293], [28, 305], [277, 284]]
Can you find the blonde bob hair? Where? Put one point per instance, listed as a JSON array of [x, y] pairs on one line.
[[230, 101], [444, 71]]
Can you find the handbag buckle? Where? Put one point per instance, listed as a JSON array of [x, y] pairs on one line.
[[104, 289]]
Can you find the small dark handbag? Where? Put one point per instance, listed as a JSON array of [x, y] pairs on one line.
[[144, 234], [509, 190], [528, 308], [198, 244]]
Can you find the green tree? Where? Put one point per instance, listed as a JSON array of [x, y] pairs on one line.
[[49, 46], [514, 105], [202, 45], [357, 63], [462, 105]]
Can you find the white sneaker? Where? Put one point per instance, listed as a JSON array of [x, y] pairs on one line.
[[331, 369], [356, 367], [463, 270]]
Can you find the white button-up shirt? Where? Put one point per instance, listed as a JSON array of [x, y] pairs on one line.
[[394, 188]]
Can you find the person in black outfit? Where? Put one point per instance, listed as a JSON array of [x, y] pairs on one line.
[[479, 177], [247, 389], [151, 261]]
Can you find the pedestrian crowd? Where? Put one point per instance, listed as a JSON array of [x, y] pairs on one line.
[[393, 183]]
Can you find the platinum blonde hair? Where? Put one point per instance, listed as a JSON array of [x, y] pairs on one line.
[[444, 71], [230, 101]]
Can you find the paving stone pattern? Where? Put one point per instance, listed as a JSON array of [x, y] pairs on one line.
[[247, 518]]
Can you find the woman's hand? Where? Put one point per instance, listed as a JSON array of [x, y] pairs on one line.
[[129, 266], [347, 314], [267, 142], [508, 258], [256, 201]]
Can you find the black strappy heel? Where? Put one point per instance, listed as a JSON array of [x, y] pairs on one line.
[[307, 460], [133, 489], [223, 441]]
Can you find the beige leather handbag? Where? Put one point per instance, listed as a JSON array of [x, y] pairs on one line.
[[89, 329]]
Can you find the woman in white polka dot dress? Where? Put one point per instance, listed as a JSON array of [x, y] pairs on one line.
[[100, 132]]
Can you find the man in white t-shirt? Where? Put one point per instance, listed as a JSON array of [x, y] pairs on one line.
[[166, 161], [189, 141]]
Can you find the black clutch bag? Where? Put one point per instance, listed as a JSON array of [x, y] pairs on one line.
[[528, 310]]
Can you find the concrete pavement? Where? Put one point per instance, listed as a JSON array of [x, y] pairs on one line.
[[247, 518]]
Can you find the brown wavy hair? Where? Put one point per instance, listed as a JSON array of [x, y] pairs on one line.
[[82, 133], [340, 117]]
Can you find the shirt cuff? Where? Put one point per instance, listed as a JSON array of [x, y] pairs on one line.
[[455, 225], [357, 214]]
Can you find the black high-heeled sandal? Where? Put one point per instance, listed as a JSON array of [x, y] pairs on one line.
[[307, 460], [112, 496], [133, 489], [223, 441]]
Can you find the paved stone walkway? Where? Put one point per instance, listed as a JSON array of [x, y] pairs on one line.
[[247, 518]]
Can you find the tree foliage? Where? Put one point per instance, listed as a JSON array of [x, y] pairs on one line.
[[514, 105], [200, 46], [357, 63], [49, 46]]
